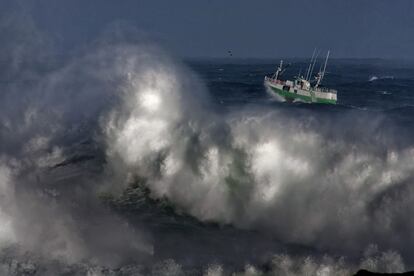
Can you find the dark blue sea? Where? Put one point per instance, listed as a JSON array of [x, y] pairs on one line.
[[123, 163], [367, 84]]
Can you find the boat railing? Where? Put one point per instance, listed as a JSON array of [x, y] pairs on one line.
[[325, 90], [274, 81]]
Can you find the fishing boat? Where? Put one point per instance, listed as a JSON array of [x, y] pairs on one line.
[[302, 88]]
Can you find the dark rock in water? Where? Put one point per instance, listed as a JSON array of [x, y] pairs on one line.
[[364, 272]]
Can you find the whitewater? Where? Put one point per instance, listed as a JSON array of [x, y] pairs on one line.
[[124, 159]]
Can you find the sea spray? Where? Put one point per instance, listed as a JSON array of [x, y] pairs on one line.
[[305, 178], [49, 205], [295, 176]]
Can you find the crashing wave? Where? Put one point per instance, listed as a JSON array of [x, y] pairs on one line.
[[301, 177]]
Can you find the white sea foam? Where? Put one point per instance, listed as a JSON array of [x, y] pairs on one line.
[[7, 235], [262, 169], [259, 169], [375, 78]]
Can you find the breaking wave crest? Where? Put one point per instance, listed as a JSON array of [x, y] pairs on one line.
[[303, 177], [310, 178]]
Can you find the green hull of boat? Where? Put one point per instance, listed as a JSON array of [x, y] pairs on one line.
[[289, 96]]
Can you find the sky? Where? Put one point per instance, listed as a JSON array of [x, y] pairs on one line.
[[248, 28]]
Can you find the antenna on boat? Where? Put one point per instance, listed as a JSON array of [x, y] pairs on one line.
[[321, 74], [326, 62], [313, 65], [310, 64], [278, 71]]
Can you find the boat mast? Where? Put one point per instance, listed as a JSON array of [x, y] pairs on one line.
[[313, 66], [326, 62], [310, 64], [322, 73], [279, 69]]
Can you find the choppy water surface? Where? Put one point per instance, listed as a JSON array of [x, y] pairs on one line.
[[123, 161]]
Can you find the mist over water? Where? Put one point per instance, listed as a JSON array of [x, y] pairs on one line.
[[299, 188], [311, 180]]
